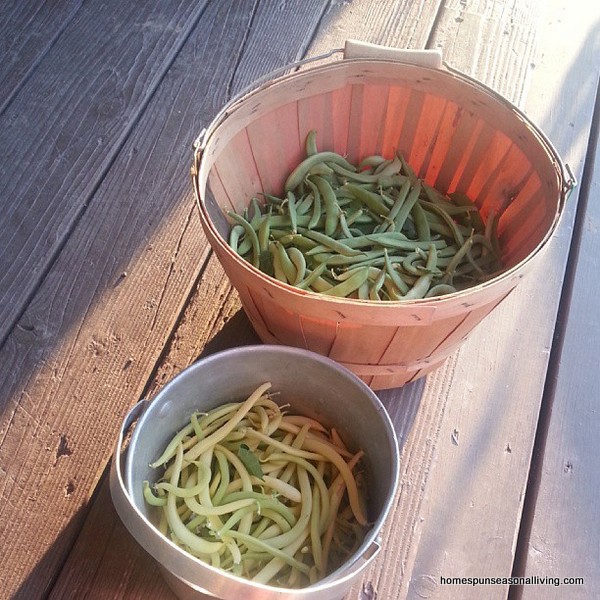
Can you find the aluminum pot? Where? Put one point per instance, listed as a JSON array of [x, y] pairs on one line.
[[312, 385]]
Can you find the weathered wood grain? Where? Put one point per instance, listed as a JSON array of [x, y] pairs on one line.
[[395, 23], [562, 540], [88, 342], [468, 522], [65, 125], [211, 321], [28, 29]]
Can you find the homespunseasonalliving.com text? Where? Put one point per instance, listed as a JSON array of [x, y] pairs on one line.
[[533, 580]]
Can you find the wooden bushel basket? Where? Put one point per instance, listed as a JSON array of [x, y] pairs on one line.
[[455, 133]]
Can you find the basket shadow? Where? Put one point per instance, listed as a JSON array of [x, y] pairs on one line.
[[402, 404], [237, 331]]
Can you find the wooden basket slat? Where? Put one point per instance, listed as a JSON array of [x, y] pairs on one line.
[[275, 145], [442, 144], [368, 110], [429, 126], [238, 173], [484, 155], [352, 340], [409, 344], [319, 334], [495, 187], [397, 106]]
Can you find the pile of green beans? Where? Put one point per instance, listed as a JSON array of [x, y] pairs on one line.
[[270, 496], [372, 232]]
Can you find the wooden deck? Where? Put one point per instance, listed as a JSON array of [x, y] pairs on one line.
[[108, 289]]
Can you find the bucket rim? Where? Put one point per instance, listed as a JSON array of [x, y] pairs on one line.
[[146, 533]]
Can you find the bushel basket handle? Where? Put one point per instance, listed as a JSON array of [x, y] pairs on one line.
[[353, 49], [419, 58]]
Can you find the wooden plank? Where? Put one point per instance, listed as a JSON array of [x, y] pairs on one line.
[[467, 502], [113, 564], [561, 541], [396, 23], [28, 29], [89, 340], [71, 117], [212, 321], [200, 331]]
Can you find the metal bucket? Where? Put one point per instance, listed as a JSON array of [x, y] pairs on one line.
[[312, 385]]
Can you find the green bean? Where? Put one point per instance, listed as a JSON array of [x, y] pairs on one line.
[[316, 214], [408, 171], [264, 501], [392, 168], [343, 225], [250, 233], [187, 492], [439, 290], [278, 271], [410, 266], [256, 212], [406, 207], [454, 230], [396, 206], [464, 201], [218, 435], [291, 200], [300, 172], [225, 477], [304, 204], [276, 200], [273, 517], [491, 232], [270, 570], [312, 277], [339, 259], [401, 286], [259, 530], [332, 210], [311, 143], [299, 263], [369, 199], [421, 222], [328, 241], [353, 175], [234, 236], [373, 160], [319, 169], [317, 478], [315, 445], [151, 498], [286, 263], [263, 233], [421, 286], [304, 518], [298, 240], [337, 216], [453, 264], [177, 526], [377, 285], [171, 448]]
